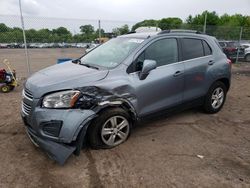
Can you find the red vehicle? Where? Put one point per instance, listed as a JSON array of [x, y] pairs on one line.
[[2, 74], [231, 48]]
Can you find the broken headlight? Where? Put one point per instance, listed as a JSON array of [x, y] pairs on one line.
[[86, 101], [62, 99]]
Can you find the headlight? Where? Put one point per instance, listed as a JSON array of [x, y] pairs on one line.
[[63, 99]]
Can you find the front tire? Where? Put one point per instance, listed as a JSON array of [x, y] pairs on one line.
[[111, 128], [215, 98]]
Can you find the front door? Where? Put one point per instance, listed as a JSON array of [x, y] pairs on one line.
[[163, 87]]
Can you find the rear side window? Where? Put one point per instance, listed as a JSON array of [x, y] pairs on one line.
[[207, 49], [192, 48]]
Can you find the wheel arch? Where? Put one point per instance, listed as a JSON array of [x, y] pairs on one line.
[[125, 105], [119, 103], [225, 81]]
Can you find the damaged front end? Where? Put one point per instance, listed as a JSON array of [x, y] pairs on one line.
[[56, 151], [96, 99], [60, 132]]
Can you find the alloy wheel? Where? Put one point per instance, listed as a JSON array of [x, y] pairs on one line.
[[217, 98], [115, 130]]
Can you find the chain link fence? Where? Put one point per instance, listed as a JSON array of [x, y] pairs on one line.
[[49, 39]]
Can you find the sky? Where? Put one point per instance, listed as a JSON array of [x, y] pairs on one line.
[[115, 12]]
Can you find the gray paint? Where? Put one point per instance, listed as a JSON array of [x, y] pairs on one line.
[[161, 89]]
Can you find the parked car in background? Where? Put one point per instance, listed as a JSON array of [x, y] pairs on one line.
[[230, 48], [3, 45], [246, 46], [99, 97], [14, 45], [82, 45]]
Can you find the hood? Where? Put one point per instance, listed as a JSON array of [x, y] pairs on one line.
[[62, 76]]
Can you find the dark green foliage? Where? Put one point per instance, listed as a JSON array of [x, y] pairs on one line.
[[223, 27], [121, 30], [170, 23]]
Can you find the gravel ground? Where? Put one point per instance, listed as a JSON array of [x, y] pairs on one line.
[[160, 153]]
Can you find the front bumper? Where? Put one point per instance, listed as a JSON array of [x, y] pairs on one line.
[[58, 147], [56, 151]]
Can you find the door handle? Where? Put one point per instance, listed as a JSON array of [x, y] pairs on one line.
[[211, 62], [177, 73]]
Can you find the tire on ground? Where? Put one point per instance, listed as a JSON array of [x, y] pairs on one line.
[[208, 99], [94, 131]]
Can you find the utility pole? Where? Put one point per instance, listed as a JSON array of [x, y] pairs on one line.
[[205, 23], [99, 26], [24, 39], [238, 50]]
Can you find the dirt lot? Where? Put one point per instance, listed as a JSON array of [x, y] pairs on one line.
[[160, 153]]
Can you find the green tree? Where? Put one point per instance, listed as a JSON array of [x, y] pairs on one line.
[[87, 29], [31, 35], [102, 32], [88, 32], [170, 23], [189, 19], [199, 19], [60, 31], [121, 30], [4, 28]]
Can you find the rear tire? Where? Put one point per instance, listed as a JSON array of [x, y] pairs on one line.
[[111, 128], [215, 98]]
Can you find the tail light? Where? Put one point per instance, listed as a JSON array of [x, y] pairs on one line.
[[229, 62]]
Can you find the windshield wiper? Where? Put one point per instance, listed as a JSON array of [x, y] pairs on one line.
[[89, 66]]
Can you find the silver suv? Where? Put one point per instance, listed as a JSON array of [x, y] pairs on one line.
[[97, 98]]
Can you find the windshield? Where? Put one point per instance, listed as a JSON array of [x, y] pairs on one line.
[[111, 53]]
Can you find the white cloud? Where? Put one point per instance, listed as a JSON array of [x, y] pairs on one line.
[[31, 7], [122, 9], [9, 7]]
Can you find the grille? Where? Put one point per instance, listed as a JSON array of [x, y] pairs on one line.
[[28, 94], [26, 108]]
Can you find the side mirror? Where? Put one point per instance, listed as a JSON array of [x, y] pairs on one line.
[[76, 61], [148, 65]]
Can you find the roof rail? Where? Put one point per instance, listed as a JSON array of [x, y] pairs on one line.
[[131, 32], [179, 31]]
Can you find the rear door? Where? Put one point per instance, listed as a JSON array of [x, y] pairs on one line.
[[197, 57]]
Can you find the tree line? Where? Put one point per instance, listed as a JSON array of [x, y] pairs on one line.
[[223, 27], [226, 27], [61, 34]]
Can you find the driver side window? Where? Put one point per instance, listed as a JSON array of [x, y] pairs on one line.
[[139, 61], [163, 51]]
